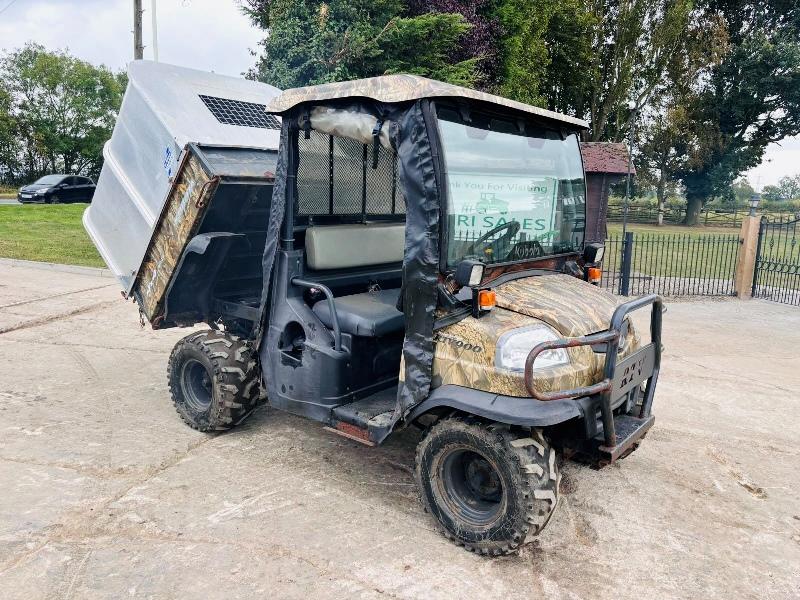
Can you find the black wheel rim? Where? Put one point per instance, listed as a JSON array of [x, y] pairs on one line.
[[196, 385], [471, 487]]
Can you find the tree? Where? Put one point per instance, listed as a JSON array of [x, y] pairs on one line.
[[772, 193], [658, 157], [634, 43], [788, 188], [9, 144], [590, 58], [566, 86], [522, 46], [310, 42], [63, 110], [742, 191], [748, 100], [479, 41]]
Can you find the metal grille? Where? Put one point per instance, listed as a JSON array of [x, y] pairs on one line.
[[313, 175], [236, 112], [777, 272], [383, 189], [348, 163], [335, 177]]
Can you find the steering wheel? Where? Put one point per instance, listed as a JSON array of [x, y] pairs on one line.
[[494, 245]]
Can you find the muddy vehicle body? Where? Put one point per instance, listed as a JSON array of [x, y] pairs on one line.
[[363, 274]]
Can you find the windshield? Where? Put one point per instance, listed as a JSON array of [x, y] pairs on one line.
[[515, 191], [48, 180]]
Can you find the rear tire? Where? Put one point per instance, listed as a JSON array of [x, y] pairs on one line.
[[488, 488], [214, 380]]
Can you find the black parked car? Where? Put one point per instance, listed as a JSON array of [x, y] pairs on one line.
[[51, 189]]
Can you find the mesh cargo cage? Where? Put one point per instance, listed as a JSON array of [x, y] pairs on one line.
[[337, 176]]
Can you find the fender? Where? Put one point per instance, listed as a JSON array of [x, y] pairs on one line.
[[527, 412]]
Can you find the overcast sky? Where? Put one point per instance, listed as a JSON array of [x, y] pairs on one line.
[[212, 35]]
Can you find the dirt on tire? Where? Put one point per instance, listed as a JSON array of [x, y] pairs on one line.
[[234, 378], [527, 467]]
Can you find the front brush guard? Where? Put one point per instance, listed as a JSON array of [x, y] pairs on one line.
[[618, 377]]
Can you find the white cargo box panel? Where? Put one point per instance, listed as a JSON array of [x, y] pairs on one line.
[[164, 109]]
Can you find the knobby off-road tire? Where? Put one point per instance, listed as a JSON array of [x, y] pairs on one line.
[[489, 489], [214, 380]]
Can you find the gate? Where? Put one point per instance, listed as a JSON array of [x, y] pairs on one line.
[[777, 271]]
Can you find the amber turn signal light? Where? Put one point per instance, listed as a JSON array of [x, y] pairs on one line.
[[593, 275], [487, 299]]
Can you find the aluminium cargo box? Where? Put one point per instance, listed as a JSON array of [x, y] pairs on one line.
[[181, 206]]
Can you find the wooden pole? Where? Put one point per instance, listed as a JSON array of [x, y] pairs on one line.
[[746, 263]]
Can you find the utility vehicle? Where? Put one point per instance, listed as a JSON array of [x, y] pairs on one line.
[[348, 277]]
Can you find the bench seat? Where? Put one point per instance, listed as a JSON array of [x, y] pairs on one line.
[[372, 314]]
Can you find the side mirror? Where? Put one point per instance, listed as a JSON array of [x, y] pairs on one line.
[[469, 272], [593, 253]]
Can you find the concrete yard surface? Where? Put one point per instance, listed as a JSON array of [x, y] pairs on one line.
[[105, 493]]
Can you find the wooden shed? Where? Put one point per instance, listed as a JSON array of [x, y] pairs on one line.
[[605, 163]]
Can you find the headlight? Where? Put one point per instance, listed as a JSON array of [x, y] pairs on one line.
[[513, 348]]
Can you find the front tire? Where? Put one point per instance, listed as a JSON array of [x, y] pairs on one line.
[[488, 488], [214, 380]]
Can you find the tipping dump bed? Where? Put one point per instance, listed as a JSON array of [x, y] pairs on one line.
[[209, 238], [181, 205]]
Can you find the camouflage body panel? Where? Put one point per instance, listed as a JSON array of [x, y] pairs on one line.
[[403, 88], [569, 305], [183, 211], [465, 351]]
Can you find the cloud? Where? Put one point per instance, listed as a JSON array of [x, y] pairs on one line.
[[780, 160], [211, 35]]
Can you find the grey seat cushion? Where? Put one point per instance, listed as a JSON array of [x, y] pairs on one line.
[[372, 314]]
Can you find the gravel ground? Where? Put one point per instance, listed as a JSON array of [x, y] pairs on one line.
[[106, 494]]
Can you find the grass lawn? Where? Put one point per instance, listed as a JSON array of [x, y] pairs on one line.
[[47, 233], [615, 229]]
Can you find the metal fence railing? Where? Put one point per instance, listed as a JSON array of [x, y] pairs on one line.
[[670, 264], [638, 263]]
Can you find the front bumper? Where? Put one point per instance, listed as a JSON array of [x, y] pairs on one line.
[[621, 378]]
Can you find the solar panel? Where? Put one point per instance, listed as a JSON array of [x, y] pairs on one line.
[[237, 112]]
